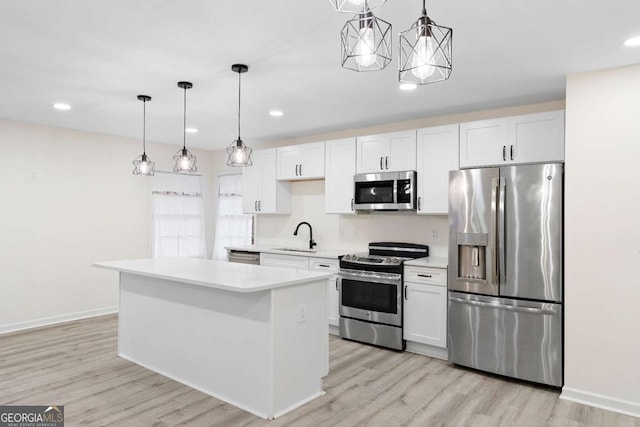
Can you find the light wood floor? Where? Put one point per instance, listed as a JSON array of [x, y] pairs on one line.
[[75, 365]]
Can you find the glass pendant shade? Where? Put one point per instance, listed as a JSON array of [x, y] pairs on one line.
[[425, 52], [354, 6], [142, 165], [366, 43], [183, 160], [238, 154]]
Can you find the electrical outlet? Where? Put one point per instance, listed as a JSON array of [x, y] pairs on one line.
[[302, 308], [434, 233]]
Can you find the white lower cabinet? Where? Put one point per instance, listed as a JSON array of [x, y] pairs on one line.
[[286, 261], [425, 310], [333, 292]]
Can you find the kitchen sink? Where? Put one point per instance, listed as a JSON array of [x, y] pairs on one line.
[[308, 251]]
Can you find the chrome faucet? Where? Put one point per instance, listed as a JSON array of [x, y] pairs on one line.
[[311, 242]]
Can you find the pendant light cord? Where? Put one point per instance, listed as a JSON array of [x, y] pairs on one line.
[[424, 8], [144, 126], [239, 91], [184, 126]]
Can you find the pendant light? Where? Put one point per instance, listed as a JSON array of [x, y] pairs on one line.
[[366, 42], [142, 165], [352, 6], [238, 153], [425, 52], [183, 160]]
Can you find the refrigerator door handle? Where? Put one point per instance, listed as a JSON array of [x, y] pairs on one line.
[[502, 262], [493, 238], [531, 310]]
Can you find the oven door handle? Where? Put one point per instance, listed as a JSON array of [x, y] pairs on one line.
[[389, 278]]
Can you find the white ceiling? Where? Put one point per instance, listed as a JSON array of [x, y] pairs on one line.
[[98, 55]]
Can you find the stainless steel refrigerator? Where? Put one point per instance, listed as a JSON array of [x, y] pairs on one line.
[[505, 271]]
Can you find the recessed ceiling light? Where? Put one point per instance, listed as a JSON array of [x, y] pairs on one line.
[[191, 130], [276, 113], [60, 106], [633, 41], [408, 86]]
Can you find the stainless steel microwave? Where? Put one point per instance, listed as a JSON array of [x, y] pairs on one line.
[[385, 191]]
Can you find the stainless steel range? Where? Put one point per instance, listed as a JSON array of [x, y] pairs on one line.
[[371, 293]]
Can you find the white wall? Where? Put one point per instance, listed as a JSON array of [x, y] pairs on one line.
[[352, 232], [69, 199], [602, 239]]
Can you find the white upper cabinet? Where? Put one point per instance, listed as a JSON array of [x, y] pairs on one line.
[[340, 166], [437, 155], [529, 138], [536, 138], [387, 152], [303, 161], [261, 192]]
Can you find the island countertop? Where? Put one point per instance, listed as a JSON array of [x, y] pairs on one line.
[[223, 275]]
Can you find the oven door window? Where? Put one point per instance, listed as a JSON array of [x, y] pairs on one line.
[[380, 297], [374, 192]]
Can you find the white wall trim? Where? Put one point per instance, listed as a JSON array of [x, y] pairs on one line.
[[427, 350], [46, 321], [601, 401]]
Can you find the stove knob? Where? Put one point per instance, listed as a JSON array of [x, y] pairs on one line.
[[395, 260], [387, 260]]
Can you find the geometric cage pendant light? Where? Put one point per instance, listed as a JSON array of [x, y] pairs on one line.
[[239, 154], [366, 42], [142, 165], [183, 160], [425, 52]]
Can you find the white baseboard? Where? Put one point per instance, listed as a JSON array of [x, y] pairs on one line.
[[601, 401], [334, 330], [46, 321], [427, 350]]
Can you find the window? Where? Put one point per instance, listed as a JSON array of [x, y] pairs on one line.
[[233, 228], [177, 210]]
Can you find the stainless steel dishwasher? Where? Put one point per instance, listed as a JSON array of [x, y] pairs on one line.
[[243, 257]]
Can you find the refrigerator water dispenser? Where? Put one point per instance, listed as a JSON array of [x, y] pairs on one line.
[[472, 255]]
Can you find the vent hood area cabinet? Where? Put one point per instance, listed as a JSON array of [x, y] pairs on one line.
[[340, 161], [437, 155], [261, 192], [528, 138], [387, 152], [298, 162]]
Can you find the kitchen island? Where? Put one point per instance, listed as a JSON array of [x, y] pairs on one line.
[[253, 336]]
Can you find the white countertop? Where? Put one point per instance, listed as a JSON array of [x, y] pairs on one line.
[[430, 261], [326, 253], [215, 274]]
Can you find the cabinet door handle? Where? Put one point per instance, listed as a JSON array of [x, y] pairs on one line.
[[386, 162], [324, 265], [419, 202], [424, 275], [255, 206], [352, 207], [405, 292], [337, 279], [296, 170], [380, 163], [504, 153], [260, 205], [511, 151], [300, 170]]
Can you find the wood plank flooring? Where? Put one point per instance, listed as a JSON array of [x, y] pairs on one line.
[[75, 365]]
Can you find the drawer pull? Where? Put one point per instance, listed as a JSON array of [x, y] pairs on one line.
[[324, 265], [424, 275]]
